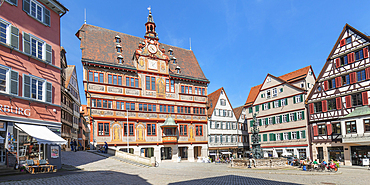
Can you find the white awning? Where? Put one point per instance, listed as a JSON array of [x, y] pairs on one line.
[[224, 153], [1, 139], [212, 153], [42, 134]]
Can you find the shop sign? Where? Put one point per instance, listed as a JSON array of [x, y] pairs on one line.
[[15, 110], [54, 151]]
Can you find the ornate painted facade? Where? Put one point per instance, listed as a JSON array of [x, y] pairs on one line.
[[149, 82], [339, 121]]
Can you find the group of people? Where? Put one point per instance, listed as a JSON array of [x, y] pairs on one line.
[[73, 145]]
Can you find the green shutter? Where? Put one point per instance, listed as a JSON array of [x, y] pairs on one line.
[[289, 135], [263, 106], [273, 104], [301, 97], [26, 43], [270, 136], [287, 118], [269, 105], [14, 36], [281, 89], [264, 137], [294, 100], [266, 121], [274, 137], [281, 118], [298, 136], [257, 108], [286, 101], [14, 82], [251, 123], [259, 122], [250, 110], [302, 115], [281, 136], [279, 103], [295, 116], [273, 120], [303, 134]]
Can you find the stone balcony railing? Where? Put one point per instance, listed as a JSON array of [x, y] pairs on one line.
[[356, 138], [169, 139]]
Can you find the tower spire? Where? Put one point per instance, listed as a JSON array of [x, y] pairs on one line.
[[150, 27]]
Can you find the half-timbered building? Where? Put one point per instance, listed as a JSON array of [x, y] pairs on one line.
[[339, 119], [243, 141], [144, 94], [281, 120]]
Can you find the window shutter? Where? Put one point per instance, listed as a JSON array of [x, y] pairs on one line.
[[315, 131], [338, 81], [365, 98], [324, 104], [263, 107], [49, 92], [330, 130], [287, 118], [298, 136], [257, 108], [266, 121], [367, 72], [289, 135], [326, 85], [337, 62], [303, 134], [286, 101], [281, 136], [46, 16], [366, 52], [251, 123], [311, 108], [14, 82], [295, 116], [338, 103], [14, 2], [264, 137], [26, 86], [301, 97], [342, 42], [48, 53], [352, 77], [26, 6], [14, 36], [302, 115], [26, 43], [294, 100], [273, 120], [268, 105], [273, 104], [348, 101], [260, 122], [280, 101]]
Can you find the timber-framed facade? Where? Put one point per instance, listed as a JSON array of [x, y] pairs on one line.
[[161, 88]]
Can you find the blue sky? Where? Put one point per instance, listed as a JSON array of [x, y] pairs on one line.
[[236, 42]]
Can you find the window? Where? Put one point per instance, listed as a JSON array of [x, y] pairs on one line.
[[366, 125], [130, 127], [36, 10], [284, 118], [274, 92], [277, 119], [96, 77], [344, 60], [317, 107], [199, 130], [183, 110], [281, 90], [167, 108], [294, 135], [331, 83], [218, 124], [348, 40], [37, 88], [234, 125], [291, 117], [8, 80], [299, 115], [268, 94], [278, 137], [223, 125], [345, 79], [147, 107], [361, 75], [114, 79], [103, 129], [332, 104], [302, 85], [298, 99], [336, 128], [130, 106], [9, 34], [321, 129], [37, 47], [351, 127], [250, 109], [359, 54], [276, 103], [118, 48], [356, 99], [286, 136], [269, 121], [132, 82], [150, 83], [223, 102], [263, 121], [283, 102], [150, 129], [187, 89], [170, 85]]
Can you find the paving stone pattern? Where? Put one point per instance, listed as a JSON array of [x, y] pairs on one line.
[[102, 170]]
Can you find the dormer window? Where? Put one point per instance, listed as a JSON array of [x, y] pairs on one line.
[[174, 60], [120, 59], [170, 51], [178, 70], [119, 48], [268, 79], [118, 39]]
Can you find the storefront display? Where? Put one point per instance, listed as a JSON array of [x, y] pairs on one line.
[[336, 153], [358, 153]]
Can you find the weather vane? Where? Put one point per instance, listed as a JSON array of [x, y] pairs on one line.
[[149, 9]]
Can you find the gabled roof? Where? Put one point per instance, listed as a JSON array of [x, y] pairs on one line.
[[238, 111], [69, 71], [98, 45], [347, 26], [286, 78], [213, 99]]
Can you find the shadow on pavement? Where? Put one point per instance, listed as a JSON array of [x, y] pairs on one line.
[[79, 158], [230, 179], [77, 177]]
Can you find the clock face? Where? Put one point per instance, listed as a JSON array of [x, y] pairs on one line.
[[152, 64], [152, 48]]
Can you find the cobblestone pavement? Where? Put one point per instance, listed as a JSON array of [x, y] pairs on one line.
[[100, 170]]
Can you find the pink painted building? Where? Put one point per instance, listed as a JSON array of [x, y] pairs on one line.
[[30, 99]]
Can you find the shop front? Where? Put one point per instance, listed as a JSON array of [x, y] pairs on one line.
[[336, 153], [358, 154]]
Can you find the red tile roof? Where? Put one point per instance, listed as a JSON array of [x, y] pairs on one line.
[[238, 111], [98, 45], [212, 101]]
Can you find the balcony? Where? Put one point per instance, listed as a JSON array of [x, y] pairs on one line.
[[169, 139]]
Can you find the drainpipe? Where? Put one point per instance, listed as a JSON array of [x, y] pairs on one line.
[[309, 131]]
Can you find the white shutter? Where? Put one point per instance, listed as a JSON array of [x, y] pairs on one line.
[[13, 2], [46, 16], [26, 43], [26, 6], [48, 53], [13, 82], [14, 36]]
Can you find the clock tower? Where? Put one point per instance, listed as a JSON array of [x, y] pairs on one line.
[[150, 33]]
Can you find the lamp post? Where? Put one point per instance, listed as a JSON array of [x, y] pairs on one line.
[[127, 132]]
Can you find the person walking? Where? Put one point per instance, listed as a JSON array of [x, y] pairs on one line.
[[75, 145], [71, 143], [251, 159], [106, 147]]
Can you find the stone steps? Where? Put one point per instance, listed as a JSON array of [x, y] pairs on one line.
[[120, 159]]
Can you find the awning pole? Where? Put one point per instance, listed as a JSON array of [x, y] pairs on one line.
[[39, 151], [44, 151], [17, 146]]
